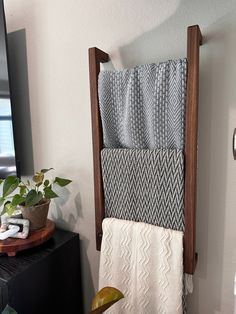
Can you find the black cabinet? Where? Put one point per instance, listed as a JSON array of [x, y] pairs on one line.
[[45, 279]]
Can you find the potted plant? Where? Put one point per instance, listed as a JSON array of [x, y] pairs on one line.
[[31, 197]]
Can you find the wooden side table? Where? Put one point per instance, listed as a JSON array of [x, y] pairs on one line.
[[11, 246], [45, 279]]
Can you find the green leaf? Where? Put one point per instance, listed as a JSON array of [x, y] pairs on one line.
[[2, 200], [49, 192], [105, 298], [38, 178], [61, 181], [9, 208], [33, 198], [9, 310], [4, 208], [22, 190], [10, 184], [101, 309], [46, 183], [1, 181], [17, 200], [46, 170]]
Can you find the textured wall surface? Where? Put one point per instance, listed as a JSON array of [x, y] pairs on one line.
[[58, 34]]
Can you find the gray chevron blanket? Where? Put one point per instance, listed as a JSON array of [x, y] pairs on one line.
[[144, 185], [144, 107]]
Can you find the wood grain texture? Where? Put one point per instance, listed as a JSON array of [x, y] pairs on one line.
[[96, 56], [12, 246], [194, 40]]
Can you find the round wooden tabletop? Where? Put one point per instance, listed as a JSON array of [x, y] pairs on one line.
[[11, 245]]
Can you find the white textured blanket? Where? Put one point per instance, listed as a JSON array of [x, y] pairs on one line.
[[146, 263]]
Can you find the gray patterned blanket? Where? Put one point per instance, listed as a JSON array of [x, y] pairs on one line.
[[144, 185], [144, 107]]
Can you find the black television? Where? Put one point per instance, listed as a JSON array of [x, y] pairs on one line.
[[8, 160]]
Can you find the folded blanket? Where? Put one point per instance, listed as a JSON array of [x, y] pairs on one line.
[[144, 107], [146, 263], [144, 185]]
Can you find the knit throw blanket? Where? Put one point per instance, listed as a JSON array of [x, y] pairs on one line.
[[146, 263], [144, 107], [144, 185]]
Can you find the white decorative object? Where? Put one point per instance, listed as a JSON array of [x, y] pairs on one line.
[[4, 223], [9, 233], [24, 222], [9, 228]]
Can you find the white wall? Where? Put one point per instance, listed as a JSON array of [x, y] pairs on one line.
[[58, 34]]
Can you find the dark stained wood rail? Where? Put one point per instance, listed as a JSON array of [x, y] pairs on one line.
[[194, 40], [96, 56]]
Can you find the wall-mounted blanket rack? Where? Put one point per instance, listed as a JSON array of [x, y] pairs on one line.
[[96, 56]]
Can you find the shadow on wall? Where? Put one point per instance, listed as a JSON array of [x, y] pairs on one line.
[[20, 100], [214, 110], [66, 223], [168, 41], [69, 223]]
